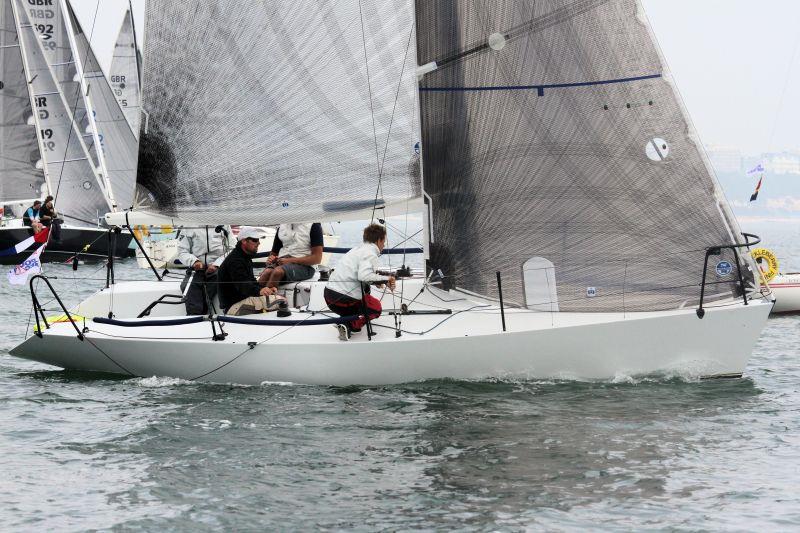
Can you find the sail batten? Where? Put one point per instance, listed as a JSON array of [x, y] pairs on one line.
[[562, 142]]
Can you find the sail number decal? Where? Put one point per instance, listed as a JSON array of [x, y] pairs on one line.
[[46, 30], [47, 135], [38, 13], [41, 104]]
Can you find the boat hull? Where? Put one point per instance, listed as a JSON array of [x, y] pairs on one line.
[[786, 288], [466, 345], [73, 240]]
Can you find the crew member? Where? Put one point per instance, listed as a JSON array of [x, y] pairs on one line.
[[49, 219], [239, 292], [202, 250], [32, 213], [347, 291], [295, 251]]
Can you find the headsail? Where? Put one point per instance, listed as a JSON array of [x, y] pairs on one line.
[[67, 134], [118, 142], [21, 173], [125, 72], [556, 150], [281, 111]]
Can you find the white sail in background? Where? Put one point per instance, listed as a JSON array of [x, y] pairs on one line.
[[21, 173], [119, 146], [67, 137], [124, 75], [279, 112]]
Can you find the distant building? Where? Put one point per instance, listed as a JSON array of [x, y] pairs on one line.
[[724, 159], [782, 163]]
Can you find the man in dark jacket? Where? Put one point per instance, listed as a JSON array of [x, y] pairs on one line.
[[239, 292]]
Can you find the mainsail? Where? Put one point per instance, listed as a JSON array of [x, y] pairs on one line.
[[119, 146], [124, 74], [280, 111], [21, 174], [556, 149], [66, 129]]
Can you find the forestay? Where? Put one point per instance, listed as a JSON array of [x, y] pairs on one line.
[[286, 111], [552, 132], [124, 74], [65, 127], [119, 145], [21, 174]]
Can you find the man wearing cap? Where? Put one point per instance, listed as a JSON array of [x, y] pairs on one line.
[[239, 292], [202, 251]]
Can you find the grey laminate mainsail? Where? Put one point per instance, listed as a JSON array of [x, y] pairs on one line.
[[124, 74], [278, 111], [21, 174], [553, 137], [67, 135], [118, 142]]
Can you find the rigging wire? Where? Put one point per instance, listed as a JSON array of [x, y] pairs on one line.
[[369, 88], [379, 188]]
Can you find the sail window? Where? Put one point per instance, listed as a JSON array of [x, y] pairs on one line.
[[87, 185], [539, 278], [497, 41], [657, 149]]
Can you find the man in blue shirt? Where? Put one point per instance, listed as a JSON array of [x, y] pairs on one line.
[[32, 213]]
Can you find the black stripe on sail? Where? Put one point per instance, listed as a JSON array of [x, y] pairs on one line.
[[539, 88]]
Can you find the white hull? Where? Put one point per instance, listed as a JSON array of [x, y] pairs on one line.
[[786, 289], [469, 344]]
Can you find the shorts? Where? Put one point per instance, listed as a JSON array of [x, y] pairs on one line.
[[295, 272]]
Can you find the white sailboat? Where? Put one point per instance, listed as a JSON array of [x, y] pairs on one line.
[[42, 69], [556, 158]]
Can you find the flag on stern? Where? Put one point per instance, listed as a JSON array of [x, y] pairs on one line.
[[758, 188], [759, 169], [33, 265]]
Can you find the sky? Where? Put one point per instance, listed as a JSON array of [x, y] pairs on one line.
[[736, 63]]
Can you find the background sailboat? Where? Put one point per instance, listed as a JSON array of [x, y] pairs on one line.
[[554, 149], [62, 149]]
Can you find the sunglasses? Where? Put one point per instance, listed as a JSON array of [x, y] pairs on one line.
[[252, 239]]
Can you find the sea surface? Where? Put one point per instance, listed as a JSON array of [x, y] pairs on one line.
[[81, 451]]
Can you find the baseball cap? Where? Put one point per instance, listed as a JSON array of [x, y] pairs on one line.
[[251, 232]]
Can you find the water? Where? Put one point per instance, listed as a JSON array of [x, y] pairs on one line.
[[82, 451]]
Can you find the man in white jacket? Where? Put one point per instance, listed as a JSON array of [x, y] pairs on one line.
[[347, 290], [202, 251]]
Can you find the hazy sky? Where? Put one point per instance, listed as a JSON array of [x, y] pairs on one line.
[[736, 62]]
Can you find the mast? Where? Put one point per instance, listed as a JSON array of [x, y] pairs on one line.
[[88, 103], [34, 110]]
